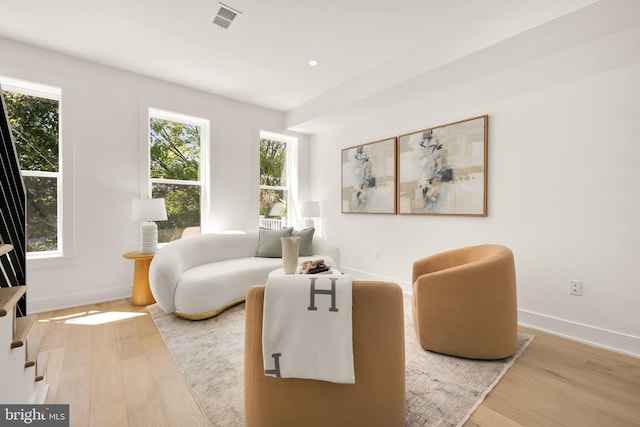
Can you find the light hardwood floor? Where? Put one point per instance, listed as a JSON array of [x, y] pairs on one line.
[[109, 363]]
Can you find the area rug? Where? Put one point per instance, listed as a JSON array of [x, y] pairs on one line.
[[440, 390]]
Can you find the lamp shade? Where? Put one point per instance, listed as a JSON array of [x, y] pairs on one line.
[[310, 209], [148, 210]]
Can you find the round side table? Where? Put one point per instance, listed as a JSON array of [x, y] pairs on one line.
[[141, 289]]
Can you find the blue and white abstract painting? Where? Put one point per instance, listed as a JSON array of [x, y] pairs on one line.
[[368, 178], [442, 170]]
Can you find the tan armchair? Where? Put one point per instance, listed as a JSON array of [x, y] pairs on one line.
[[464, 302], [376, 399]]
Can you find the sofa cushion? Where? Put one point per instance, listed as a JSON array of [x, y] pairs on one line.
[[247, 271], [306, 241], [207, 287], [269, 244]]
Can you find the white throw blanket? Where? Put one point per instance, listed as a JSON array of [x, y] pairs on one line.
[[307, 331]]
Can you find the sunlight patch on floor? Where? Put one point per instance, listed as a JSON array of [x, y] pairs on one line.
[[102, 318]]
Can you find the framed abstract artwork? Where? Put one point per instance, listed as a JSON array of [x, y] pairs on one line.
[[369, 178], [443, 170]]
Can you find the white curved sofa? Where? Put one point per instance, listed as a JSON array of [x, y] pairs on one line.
[[200, 276]]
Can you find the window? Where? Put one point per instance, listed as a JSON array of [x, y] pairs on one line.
[[275, 153], [176, 147], [34, 116]]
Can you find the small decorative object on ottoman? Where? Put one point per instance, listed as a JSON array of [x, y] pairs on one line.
[[290, 248], [315, 267]]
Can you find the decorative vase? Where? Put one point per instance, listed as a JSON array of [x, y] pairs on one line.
[[290, 248]]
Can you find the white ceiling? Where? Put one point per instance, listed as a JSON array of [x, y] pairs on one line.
[[364, 46]]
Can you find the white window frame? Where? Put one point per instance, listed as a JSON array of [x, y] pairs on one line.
[[292, 174], [203, 180], [54, 93]]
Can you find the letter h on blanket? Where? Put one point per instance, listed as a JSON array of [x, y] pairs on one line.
[[314, 292], [302, 340]]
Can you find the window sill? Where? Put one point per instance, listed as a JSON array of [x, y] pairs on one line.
[[46, 260]]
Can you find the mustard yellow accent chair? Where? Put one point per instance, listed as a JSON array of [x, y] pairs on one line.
[[376, 399], [464, 302]]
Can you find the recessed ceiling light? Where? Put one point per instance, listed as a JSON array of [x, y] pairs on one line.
[[313, 62]]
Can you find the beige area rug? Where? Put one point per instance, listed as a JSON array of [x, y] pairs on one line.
[[441, 390]]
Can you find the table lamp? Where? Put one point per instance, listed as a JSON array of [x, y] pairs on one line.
[[146, 211], [310, 209]]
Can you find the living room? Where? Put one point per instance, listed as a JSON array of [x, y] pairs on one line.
[[562, 100]]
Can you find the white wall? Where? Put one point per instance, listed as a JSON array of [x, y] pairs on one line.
[[563, 188], [103, 121], [563, 182]]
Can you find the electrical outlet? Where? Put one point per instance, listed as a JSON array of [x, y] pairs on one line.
[[376, 254], [575, 288]]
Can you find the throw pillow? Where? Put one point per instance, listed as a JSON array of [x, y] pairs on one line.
[[306, 240], [269, 244]]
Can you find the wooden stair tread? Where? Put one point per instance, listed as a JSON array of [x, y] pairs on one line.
[[42, 369], [23, 326], [9, 297], [34, 348], [5, 248]]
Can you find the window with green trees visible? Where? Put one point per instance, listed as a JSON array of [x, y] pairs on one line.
[[34, 117], [176, 144], [274, 191]]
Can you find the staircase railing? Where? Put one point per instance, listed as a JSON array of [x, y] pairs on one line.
[[12, 212]]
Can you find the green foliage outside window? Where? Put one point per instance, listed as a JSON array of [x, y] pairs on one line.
[[273, 173], [35, 124], [175, 155], [175, 150]]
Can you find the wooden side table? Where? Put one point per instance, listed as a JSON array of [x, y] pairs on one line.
[[141, 289]]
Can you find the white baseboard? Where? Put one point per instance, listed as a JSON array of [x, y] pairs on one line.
[[39, 393], [592, 335], [58, 302]]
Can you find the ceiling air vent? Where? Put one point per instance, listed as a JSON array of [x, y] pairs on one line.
[[224, 15]]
